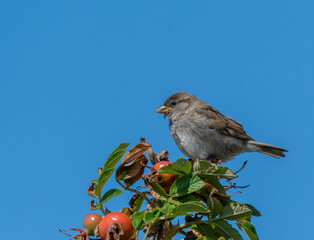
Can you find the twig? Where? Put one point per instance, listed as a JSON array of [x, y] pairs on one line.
[[147, 231], [241, 167], [233, 185], [139, 193], [230, 195]]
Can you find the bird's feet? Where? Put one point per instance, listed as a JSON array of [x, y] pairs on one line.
[[214, 159], [217, 161]]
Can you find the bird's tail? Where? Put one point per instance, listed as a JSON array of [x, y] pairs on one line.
[[268, 149]]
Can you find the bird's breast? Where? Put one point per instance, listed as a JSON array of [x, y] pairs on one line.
[[192, 140]]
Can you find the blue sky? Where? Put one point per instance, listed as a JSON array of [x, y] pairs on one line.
[[79, 77]]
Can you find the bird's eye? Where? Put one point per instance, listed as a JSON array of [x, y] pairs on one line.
[[174, 103]]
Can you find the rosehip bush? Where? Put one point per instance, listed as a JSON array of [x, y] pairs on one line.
[[184, 199]]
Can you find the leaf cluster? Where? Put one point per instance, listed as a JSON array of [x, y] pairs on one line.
[[196, 206]]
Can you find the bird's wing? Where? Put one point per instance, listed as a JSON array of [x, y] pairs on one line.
[[223, 124]]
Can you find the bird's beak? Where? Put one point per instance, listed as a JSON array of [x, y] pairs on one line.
[[163, 109]]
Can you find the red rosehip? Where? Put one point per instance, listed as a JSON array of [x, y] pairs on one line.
[[90, 222], [116, 224], [167, 179]]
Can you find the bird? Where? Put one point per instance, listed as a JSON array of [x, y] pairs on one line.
[[201, 131]]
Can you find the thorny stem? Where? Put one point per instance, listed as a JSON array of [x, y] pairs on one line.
[[139, 193], [147, 231]]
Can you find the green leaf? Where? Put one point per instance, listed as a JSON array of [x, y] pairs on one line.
[[227, 230], [201, 166], [122, 146], [184, 208], [186, 184], [255, 212], [214, 206], [248, 228], [137, 215], [234, 211], [184, 199], [151, 216], [220, 171], [213, 181], [137, 220], [136, 204], [102, 180], [158, 189], [167, 208], [106, 175], [138, 223], [171, 232], [206, 231], [108, 169], [114, 159], [110, 194], [180, 167]]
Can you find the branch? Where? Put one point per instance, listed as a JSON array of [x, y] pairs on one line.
[[139, 193]]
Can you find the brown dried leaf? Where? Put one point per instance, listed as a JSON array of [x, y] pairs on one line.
[[133, 200], [127, 211], [192, 234], [91, 190], [135, 170], [135, 152], [162, 156], [149, 187], [92, 206], [149, 152], [96, 231]]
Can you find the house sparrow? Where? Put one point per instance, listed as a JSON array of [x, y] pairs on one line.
[[201, 131]]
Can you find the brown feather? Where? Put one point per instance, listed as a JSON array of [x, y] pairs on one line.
[[223, 124]]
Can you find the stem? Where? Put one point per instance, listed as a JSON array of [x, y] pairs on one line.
[[101, 207], [241, 167], [147, 231], [139, 193]]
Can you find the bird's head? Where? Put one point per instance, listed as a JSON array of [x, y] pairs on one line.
[[177, 103]]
